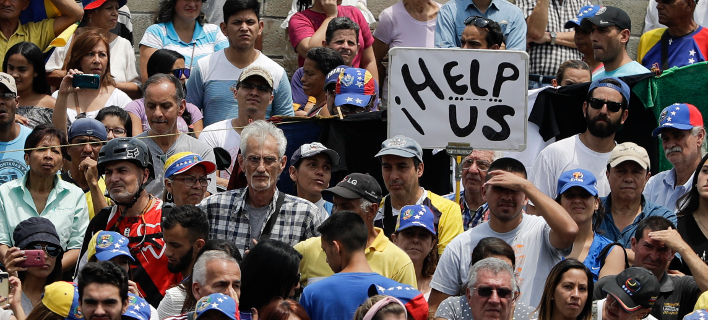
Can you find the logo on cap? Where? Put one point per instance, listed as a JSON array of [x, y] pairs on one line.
[[577, 176], [203, 303], [133, 153], [631, 286], [398, 142], [408, 214], [105, 241], [347, 80], [663, 115], [349, 180], [601, 11], [77, 312]]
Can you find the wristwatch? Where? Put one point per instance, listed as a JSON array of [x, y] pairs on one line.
[[553, 38]]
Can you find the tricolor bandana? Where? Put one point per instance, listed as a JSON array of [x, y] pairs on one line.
[[413, 299], [219, 302], [681, 116], [106, 245], [183, 161], [356, 87], [138, 308]]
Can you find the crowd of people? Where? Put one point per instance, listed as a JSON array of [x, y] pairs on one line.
[[149, 189]]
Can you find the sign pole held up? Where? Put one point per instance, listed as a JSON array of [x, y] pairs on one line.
[[457, 150]]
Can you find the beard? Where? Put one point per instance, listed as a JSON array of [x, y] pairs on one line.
[[183, 262], [599, 129], [126, 195]]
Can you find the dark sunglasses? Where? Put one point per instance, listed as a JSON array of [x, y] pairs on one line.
[[611, 105], [50, 249], [486, 292], [261, 87], [181, 71], [478, 21]]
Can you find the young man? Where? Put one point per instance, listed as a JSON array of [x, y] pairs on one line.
[[12, 134], [481, 33], [311, 168], [582, 37], [103, 291]]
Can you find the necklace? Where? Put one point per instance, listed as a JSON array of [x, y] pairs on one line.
[[705, 230]]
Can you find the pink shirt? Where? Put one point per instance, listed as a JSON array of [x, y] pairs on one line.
[[304, 24]]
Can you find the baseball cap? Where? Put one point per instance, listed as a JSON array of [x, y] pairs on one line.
[[219, 302], [357, 185], [254, 70], [355, 86], [412, 299], [629, 151], [183, 161], [608, 16], [138, 308], [585, 12], [417, 215], [93, 4], [310, 150], [401, 146], [333, 75], [62, 298], [634, 288], [682, 116], [8, 81], [577, 178], [35, 229], [87, 127], [106, 245], [623, 89]]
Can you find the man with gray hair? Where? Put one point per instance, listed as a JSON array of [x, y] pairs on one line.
[[259, 211], [474, 172], [683, 140], [164, 103]]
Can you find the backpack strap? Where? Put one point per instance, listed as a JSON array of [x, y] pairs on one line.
[[271, 221], [389, 221], [606, 250], [665, 49]]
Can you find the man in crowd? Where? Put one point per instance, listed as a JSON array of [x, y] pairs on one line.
[[214, 74], [474, 174], [686, 42], [243, 216], [40, 33], [654, 246], [539, 241], [582, 37], [402, 165], [311, 169], [549, 44], [453, 14], [103, 291], [185, 231], [89, 135], [361, 194], [481, 33], [336, 297], [253, 93], [683, 140], [630, 295], [164, 103], [605, 110], [12, 134], [610, 34], [491, 274], [348, 96], [625, 206]]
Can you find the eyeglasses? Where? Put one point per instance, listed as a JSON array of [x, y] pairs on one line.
[[256, 161], [249, 86], [611, 105], [7, 96], [477, 21], [482, 165], [51, 250], [503, 293], [351, 109], [181, 71], [191, 181], [116, 131]]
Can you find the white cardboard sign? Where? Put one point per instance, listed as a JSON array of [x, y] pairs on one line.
[[436, 96]]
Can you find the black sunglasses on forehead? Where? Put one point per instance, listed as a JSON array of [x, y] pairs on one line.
[[477, 21]]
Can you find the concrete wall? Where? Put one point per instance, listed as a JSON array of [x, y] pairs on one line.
[[277, 46]]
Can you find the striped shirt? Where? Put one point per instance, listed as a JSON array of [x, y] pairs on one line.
[[206, 40]]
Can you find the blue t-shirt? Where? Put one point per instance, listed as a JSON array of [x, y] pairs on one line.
[[628, 69], [12, 164], [685, 50], [593, 259], [338, 296]]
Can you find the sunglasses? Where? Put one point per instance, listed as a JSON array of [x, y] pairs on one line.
[[181, 71], [477, 21], [261, 87], [50, 249], [611, 105], [486, 292]]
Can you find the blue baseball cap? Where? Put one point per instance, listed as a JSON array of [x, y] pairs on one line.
[[333, 75], [401, 146], [219, 302], [416, 215], [355, 86], [138, 308], [585, 12], [682, 116], [87, 127], [106, 245], [577, 178], [623, 89], [411, 298]]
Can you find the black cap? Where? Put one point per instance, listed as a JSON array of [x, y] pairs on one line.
[[35, 229], [357, 185], [608, 16], [634, 288]]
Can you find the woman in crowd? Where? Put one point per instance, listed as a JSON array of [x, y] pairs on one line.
[[117, 122], [170, 62], [381, 307], [35, 233], [181, 19], [280, 309], [102, 16], [572, 72], [420, 243], [25, 62], [693, 214], [187, 178], [89, 55], [577, 194], [565, 297], [320, 61], [60, 302]]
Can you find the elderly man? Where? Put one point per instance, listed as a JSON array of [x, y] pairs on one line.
[[474, 174], [361, 194], [683, 139], [12, 134], [260, 211], [481, 33], [625, 206], [654, 246], [630, 295]]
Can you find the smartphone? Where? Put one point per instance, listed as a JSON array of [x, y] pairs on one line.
[[4, 284], [35, 258], [88, 81], [246, 315]]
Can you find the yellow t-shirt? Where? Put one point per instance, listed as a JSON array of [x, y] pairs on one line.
[[40, 33], [384, 257], [702, 302], [89, 199]]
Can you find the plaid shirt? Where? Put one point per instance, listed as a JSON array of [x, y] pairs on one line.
[[298, 219], [544, 59], [470, 219]]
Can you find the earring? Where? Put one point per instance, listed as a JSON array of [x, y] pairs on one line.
[[169, 197]]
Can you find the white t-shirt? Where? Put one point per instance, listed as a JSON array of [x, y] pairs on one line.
[[225, 137], [535, 257], [123, 67], [534, 141], [117, 98], [568, 154]]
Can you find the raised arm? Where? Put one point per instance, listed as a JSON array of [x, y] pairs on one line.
[[675, 242], [65, 90], [70, 13], [330, 9]]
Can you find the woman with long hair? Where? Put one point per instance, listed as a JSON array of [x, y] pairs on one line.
[[693, 215], [568, 292]]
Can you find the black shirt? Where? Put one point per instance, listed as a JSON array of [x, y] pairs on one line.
[[689, 230]]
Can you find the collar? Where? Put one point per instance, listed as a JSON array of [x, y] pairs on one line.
[[172, 34], [59, 184], [491, 4], [670, 180], [608, 206], [379, 243], [666, 284]]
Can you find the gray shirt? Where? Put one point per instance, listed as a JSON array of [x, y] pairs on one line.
[[26, 304], [256, 218]]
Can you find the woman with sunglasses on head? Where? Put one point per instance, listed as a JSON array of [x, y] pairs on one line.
[[169, 62], [565, 297], [117, 121], [187, 178]]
